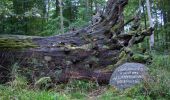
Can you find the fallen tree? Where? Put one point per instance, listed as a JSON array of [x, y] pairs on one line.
[[89, 53]]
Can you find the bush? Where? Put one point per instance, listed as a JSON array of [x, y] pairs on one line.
[[158, 88]]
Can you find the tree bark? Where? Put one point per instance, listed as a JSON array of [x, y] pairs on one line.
[[81, 54], [61, 16], [150, 22]]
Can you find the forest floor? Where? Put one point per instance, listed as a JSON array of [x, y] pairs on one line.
[[158, 89]]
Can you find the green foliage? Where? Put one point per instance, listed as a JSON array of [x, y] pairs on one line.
[[130, 9], [162, 44], [158, 86], [53, 27], [18, 89], [33, 18], [78, 23], [141, 58], [21, 17], [42, 82], [155, 89], [22, 92], [161, 62], [19, 82], [80, 85], [8, 93]]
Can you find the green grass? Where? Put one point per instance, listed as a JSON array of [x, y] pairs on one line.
[[156, 89], [9, 93], [19, 90]]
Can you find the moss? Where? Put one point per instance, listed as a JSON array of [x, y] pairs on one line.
[[123, 57], [122, 60], [84, 47], [122, 54], [116, 27], [110, 67], [106, 47], [6, 43], [140, 57]]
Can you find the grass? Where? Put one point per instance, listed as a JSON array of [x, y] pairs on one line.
[[19, 90], [9, 93], [156, 89]]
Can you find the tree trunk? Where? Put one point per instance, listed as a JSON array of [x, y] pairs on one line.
[[90, 53], [150, 22], [61, 16]]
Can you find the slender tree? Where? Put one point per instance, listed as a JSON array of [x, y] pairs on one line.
[[61, 16], [150, 22]]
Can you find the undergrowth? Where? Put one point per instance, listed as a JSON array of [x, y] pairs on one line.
[[158, 88]]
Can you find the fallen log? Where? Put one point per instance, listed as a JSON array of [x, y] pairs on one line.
[[82, 54]]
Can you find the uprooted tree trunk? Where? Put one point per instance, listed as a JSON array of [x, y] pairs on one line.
[[89, 53]]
